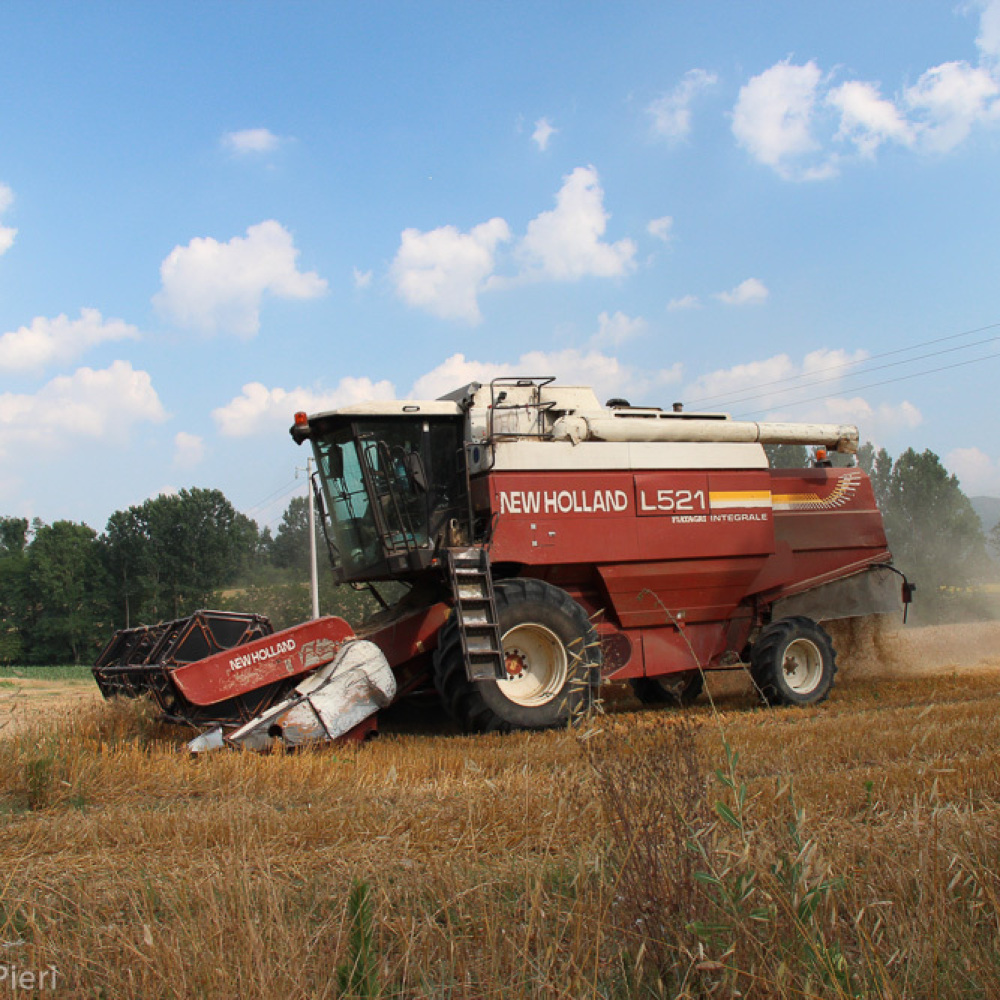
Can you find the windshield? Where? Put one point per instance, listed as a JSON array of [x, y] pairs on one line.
[[391, 486]]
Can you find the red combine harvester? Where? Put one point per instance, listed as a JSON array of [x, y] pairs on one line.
[[550, 544]]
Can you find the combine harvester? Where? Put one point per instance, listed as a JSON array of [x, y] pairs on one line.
[[550, 544]]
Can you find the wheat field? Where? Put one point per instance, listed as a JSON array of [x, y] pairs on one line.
[[851, 849]]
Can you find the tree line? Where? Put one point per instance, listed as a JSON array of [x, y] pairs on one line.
[[64, 588]]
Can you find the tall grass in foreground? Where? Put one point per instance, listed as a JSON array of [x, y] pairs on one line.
[[845, 851]]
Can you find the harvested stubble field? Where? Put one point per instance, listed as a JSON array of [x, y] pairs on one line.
[[846, 850]]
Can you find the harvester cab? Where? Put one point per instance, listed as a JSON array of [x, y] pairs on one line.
[[552, 544], [393, 486]]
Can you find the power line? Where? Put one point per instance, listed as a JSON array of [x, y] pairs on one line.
[[889, 381], [721, 398], [863, 371]]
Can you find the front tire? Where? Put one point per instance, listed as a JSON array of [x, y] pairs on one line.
[[793, 662], [553, 661]]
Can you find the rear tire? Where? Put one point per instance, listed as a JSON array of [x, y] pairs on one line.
[[669, 689], [553, 658], [793, 662]]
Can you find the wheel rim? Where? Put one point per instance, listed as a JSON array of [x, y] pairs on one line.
[[803, 666], [537, 665]]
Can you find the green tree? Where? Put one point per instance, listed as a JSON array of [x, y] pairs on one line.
[[13, 567], [167, 555], [787, 456], [935, 535], [290, 547], [65, 597]]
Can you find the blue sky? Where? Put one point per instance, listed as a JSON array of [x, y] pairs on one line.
[[215, 214]]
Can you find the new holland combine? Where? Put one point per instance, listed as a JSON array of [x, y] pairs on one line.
[[549, 544]]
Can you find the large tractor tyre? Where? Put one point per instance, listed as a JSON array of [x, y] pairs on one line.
[[553, 660], [793, 662], [669, 689]]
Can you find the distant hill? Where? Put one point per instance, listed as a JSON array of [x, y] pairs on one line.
[[988, 509]]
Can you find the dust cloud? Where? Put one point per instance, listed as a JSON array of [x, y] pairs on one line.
[[878, 646]]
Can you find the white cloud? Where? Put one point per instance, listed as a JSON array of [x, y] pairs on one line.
[[726, 383], [362, 279], [988, 39], [751, 292], [671, 113], [866, 118], [48, 341], [259, 410], [543, 132], [212, 286], [189, 450], [101, 404], [952, 98], [977, 472], [684, 302], [874, 422], [607, 375], [761, 390], [444, 270], [566, 244], [6, 233], [617, 328], [661, 228], [773, 120], [251, 140], [785, 120]]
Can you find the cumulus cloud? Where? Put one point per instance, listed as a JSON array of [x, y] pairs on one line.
[[259, 410], [671, 113], [566, 243], [684, 302], [751, 292], [251, 140], [362, 279], [977, 472], [444, 270], [212, 286], [607, 375], [50, 341], [543, 132], [792, 119], [6, 233], [189, 450], [778, 388], [101, 404], [951, 98], [617, 328], [867, 119], [661, 228], [988, 39], [773, 118]]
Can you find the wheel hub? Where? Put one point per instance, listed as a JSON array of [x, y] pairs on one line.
[[537, 665], [803, 666]]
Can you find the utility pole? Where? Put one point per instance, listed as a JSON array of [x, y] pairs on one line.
[[313, 573]]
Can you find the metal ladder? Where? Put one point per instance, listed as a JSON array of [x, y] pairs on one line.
[[476, 613]]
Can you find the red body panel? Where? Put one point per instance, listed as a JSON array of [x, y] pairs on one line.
[[276, 657], [682, 563]]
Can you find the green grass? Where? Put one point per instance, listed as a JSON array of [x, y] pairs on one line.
[[46, 672]]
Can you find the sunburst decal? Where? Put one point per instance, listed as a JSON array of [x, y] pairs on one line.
[[841, 493]]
